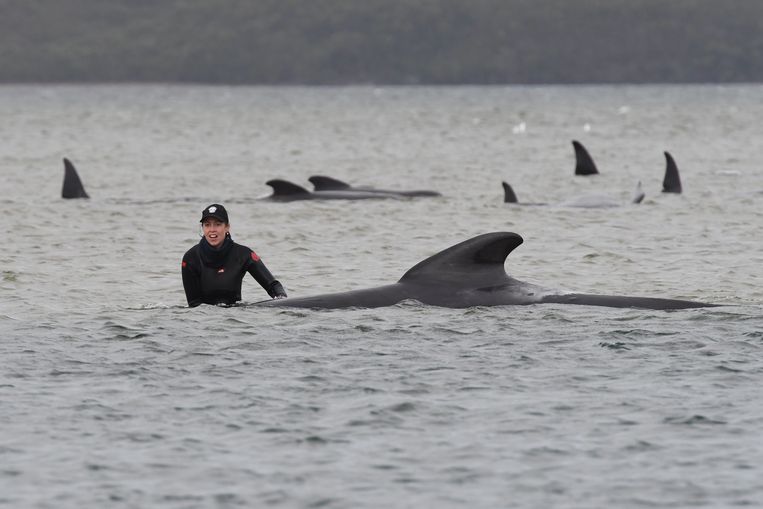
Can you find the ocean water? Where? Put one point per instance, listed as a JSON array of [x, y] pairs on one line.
[[114, 394]]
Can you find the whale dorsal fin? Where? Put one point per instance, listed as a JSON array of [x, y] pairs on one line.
[[672, 181], [73, 187], [285, 188], [584, 164], [475, 262], [638, 194], [508, 194], [322, 183]]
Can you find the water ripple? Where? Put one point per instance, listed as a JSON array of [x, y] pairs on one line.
[[115, 394]]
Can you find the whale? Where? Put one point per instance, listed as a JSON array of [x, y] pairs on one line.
[[470, 274], [671, 183], [323, 183], [285, 191], [584, 164], [73, 187], [588, 201]]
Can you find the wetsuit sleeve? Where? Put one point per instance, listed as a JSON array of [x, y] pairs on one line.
[[191, 282], [257, 269]]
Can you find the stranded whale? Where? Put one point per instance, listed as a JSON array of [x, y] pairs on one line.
[[323, 183], [286, 191], [584, 165], [471, 274], [73, 187]]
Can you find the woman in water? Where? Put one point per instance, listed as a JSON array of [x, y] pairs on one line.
[[214, 268]]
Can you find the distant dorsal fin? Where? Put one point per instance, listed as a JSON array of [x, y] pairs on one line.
[[638, 194], [475, 262], [285, 188], [322, 183], [73, 187], [672, 181], [508, 194], [584, 164]]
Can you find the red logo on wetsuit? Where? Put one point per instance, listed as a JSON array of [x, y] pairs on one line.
[[255, 257], [183, 264]]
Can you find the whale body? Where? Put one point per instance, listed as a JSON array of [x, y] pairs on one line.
[[584, 165], [468, 274], [73, 187], [285, 191], [323, 183], [589, 201]]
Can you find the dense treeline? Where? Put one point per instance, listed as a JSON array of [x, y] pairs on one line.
[[382, 41]]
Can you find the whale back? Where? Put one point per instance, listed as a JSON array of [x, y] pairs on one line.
[[471, 274], [283, 189], [323, 183]]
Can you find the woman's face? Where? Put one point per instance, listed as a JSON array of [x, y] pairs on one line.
[[214, 231]]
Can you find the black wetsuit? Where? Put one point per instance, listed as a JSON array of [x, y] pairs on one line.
[[213, 276]]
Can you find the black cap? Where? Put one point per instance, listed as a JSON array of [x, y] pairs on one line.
[[217, 211]]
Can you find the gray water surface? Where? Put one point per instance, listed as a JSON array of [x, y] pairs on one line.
[[114, 394]]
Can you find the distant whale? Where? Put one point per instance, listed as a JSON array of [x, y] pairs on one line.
[[588, 201], [286, 191], [471, 274], [73, 187], [584, 164], [672, 181], [322, 183]]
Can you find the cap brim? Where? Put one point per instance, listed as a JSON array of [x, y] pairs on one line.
[[214, 216]]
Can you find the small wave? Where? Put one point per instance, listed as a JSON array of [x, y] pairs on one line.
[[152, 306], [546, 451], [694, 420], [618, 345], [475, 388], [640, 445], [728, 369], [459, 332], [315, 439], [403, 407], [121, 332]]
